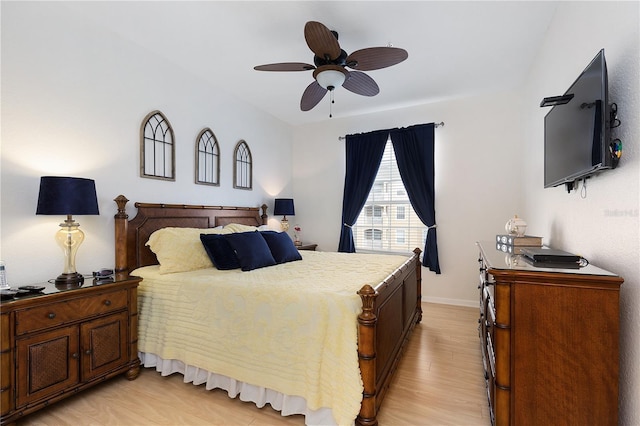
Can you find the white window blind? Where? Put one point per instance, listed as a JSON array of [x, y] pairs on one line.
[[388, 223]]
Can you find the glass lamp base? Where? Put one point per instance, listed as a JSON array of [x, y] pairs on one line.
[[69, 281], [69, 237]]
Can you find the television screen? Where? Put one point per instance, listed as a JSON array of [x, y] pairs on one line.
[[575, 131]]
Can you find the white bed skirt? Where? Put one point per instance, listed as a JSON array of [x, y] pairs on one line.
[[286, 404]]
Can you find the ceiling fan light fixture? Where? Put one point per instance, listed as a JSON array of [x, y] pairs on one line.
[[330, 78], [331, 63]]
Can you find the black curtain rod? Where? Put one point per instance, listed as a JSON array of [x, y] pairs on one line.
[[436, 125]]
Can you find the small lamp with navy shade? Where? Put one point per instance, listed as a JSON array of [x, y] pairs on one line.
[[284, 207], [68, 196]]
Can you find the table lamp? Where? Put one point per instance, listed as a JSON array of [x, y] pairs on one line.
[[68, 196], [284, 207]]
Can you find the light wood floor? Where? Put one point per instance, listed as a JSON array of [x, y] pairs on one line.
[[439, 382]]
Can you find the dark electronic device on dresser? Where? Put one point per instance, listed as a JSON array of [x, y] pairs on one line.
[[577, 129]]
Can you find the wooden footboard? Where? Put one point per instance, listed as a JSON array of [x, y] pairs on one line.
[[389, 312]]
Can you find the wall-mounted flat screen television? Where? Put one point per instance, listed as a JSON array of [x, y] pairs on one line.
[[576, 130]]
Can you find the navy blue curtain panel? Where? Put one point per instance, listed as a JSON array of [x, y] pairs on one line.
[[414, 149], [364, 153]]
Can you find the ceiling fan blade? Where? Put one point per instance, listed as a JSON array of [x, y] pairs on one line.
[[285, 66], [361, 84], [311, 96], [374, 58], [321, 41]]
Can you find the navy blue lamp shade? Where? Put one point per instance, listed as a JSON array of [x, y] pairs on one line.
[[284, 206], [68, 196]]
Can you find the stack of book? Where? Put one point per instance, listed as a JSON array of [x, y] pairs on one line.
[[513, 244]]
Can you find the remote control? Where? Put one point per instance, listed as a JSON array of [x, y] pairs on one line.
[[31, 288]]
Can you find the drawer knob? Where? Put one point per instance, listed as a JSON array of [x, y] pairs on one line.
[[87, 352], [107, 302], [51, 315], [74, 355]]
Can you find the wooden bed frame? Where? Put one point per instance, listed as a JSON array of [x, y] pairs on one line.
[[390, 310]]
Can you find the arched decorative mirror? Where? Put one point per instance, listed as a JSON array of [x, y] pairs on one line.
[[242, 166], [207, 158], [157, 147]]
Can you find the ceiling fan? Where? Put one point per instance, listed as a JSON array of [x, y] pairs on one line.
[[331, 63]]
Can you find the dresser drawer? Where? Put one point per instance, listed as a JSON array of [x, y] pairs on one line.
[[54, 314]]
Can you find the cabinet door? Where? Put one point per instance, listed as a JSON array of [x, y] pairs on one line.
[[47, 363], [104, 345]]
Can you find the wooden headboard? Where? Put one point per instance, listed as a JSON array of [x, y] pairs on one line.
[[131, 235]]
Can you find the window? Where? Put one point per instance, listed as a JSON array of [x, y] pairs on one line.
[[373, 234], [373, 211], [242, 166], [157, 149], [387, 221], [207, 159], [373, 238]]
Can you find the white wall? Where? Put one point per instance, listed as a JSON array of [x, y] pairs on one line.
[[477, 182], [604, 226], [73, 99]]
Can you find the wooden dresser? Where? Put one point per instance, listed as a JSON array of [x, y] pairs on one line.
[[549, 340], [57, 343]]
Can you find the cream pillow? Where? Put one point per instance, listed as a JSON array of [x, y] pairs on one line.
[[232, 228], [180, 249]]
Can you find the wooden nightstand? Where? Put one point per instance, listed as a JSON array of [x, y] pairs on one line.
[[58, 342], [311, 247]]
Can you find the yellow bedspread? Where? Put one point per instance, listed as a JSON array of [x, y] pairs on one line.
[[290, 327]]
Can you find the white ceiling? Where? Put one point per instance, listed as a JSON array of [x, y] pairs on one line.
[[456, 48]]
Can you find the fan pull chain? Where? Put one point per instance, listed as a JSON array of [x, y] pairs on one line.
[[331, 102]]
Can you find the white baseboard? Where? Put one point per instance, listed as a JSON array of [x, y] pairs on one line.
[[456, 302]]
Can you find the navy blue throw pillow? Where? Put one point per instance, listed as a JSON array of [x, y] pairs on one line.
[[251, 250], [220, 251], [281, 246]]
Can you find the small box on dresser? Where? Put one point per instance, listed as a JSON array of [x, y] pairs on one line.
[[549, 341]]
